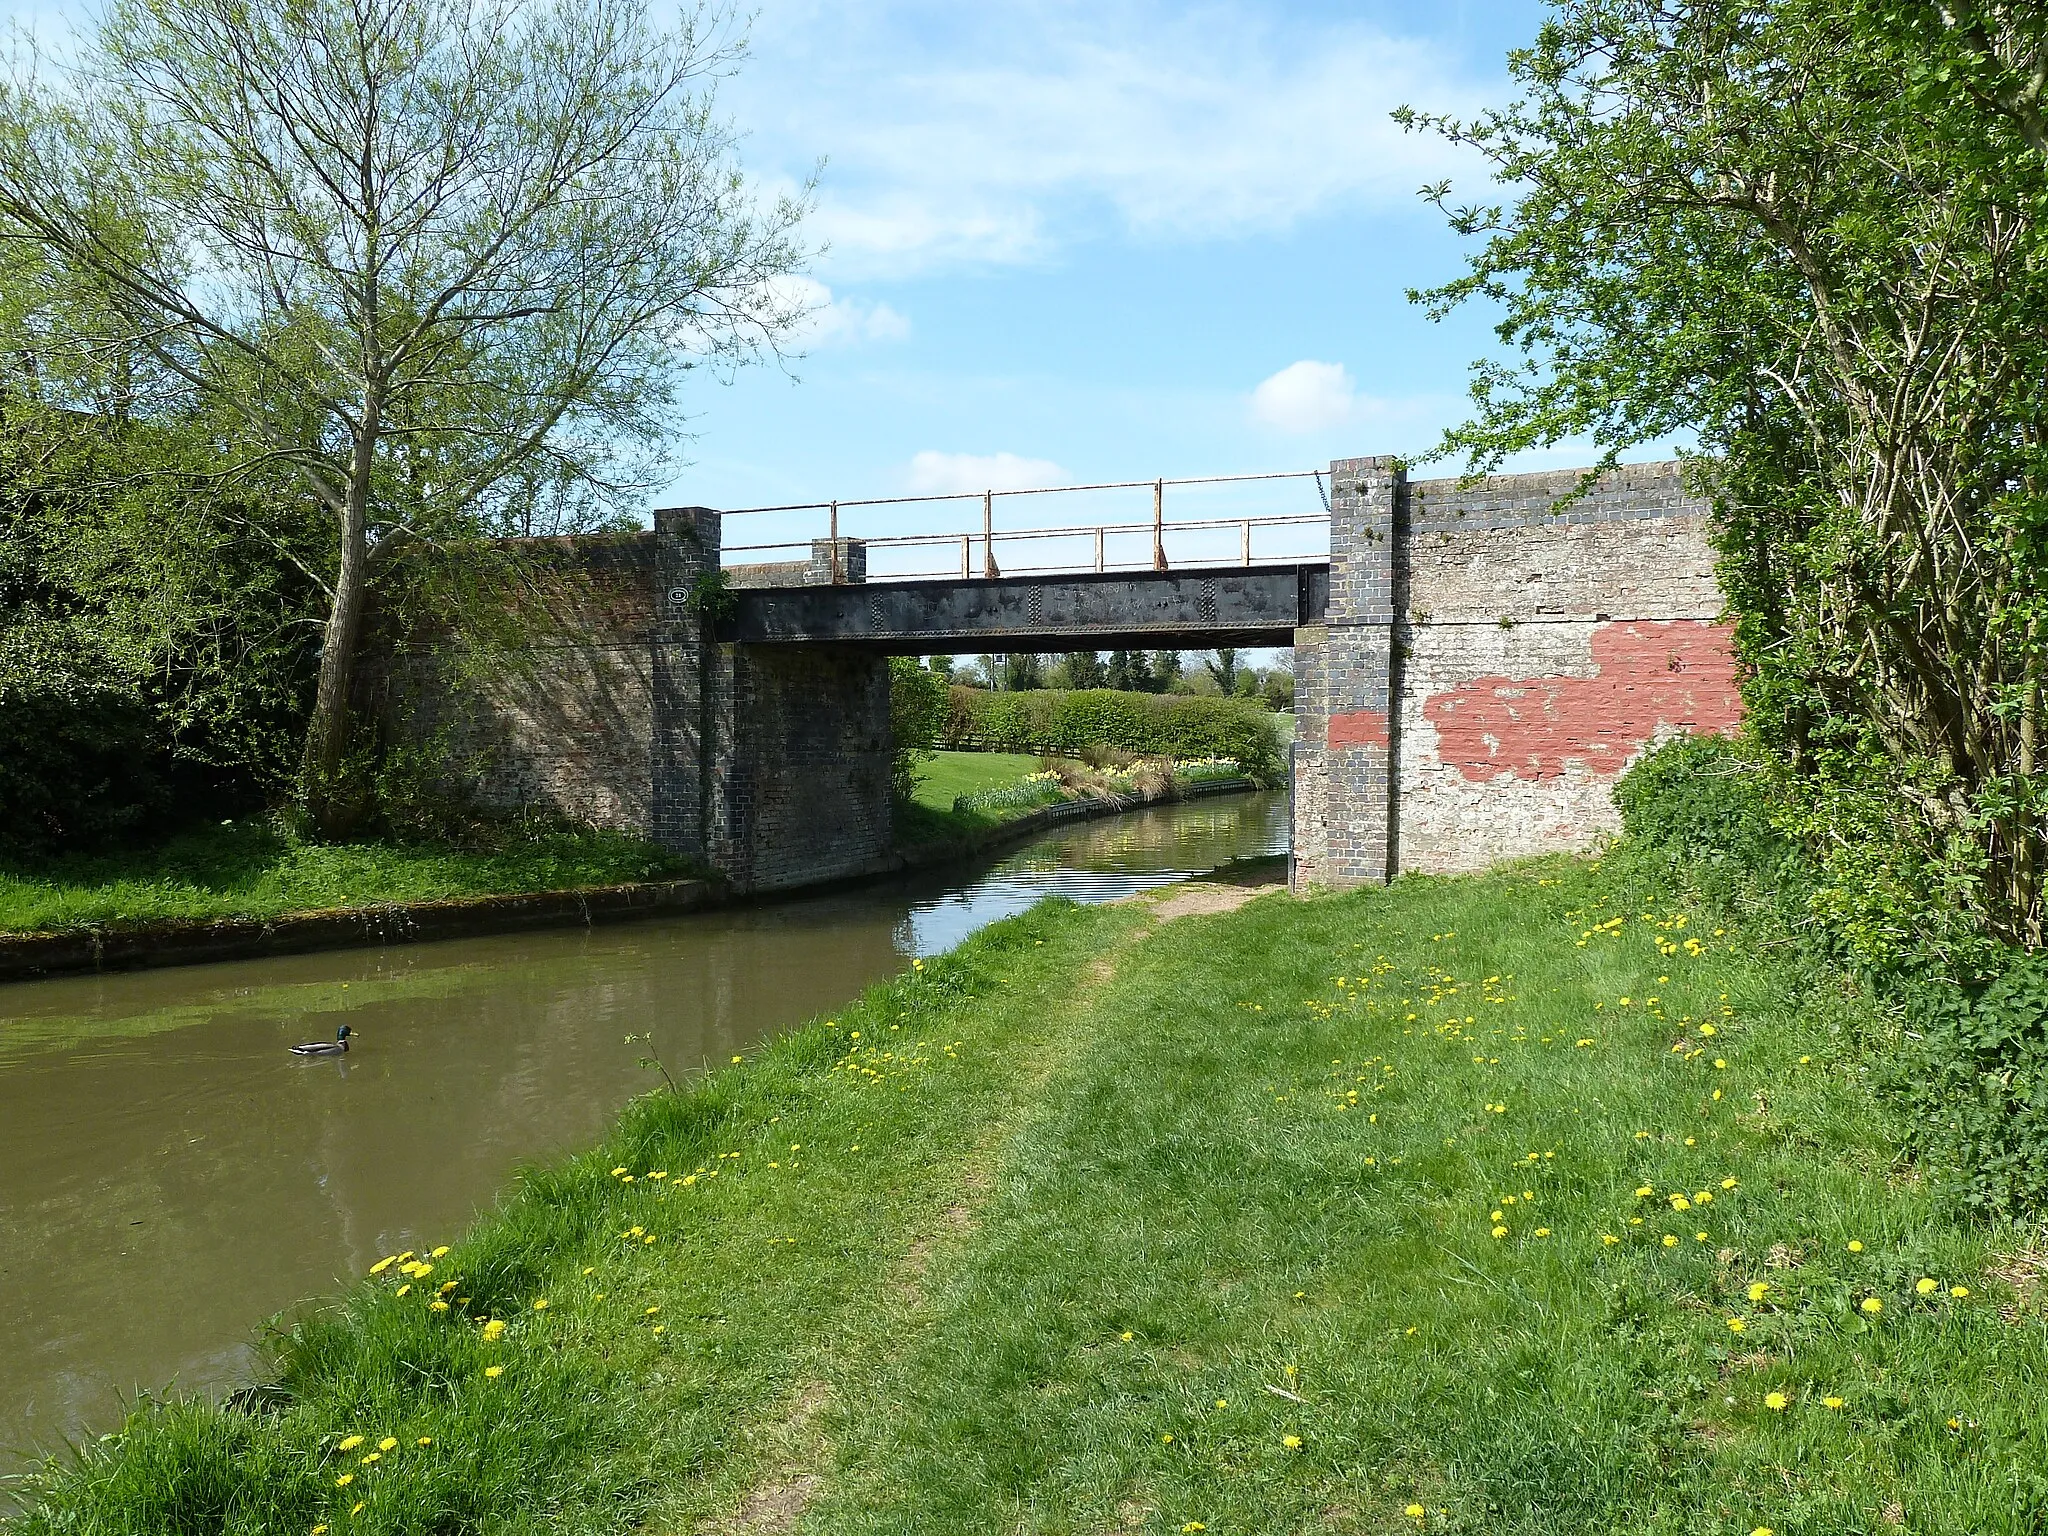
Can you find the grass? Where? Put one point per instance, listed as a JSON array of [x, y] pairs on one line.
[[246, 869], [1299, 1218], [931, 817]]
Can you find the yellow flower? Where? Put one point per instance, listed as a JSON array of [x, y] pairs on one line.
[[494, 1329], [1500, 1231], [1762, 1530], [1127, 1337], [344, 1480], [319, 1530], [1736, 1325], [1543, 1231], [1757, 1289], [1727, 1183], [350, 1443], [1872, 1305], [1855, 1245], [1645, 1192], [1831, 1402], [381, 1265], [1194, 1525], [1222, 1402], [1413, 1511], [1925, 1286], [439, 1253], [371, 1459], [1706, 1029], [1609, 1239], [541, 1305], [1959, 1291], [1776, 1401], [388, 1443], [405, 1290], [1292, 1442], [424, 1440], [437, 1306], [494, 1371], [1670, 1241], [358, 1509]]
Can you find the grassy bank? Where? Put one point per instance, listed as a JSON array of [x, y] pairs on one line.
[[246, 869], [931, 816], [1527, 1203]]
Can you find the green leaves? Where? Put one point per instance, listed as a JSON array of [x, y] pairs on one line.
[[1808, 237]]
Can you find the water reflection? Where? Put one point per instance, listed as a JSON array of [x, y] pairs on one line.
[[170, 1174]]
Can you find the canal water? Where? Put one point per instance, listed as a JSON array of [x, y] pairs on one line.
[[170, 1175]]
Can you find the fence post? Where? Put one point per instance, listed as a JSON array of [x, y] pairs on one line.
[[1247, 541], [966, 555], [1098, 547], [835, 543], [988, 536], [1159, 525]]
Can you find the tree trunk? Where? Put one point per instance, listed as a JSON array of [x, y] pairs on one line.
[[327, 804]]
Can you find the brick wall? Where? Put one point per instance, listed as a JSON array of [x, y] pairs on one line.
[[771, 763], [1534, 654]]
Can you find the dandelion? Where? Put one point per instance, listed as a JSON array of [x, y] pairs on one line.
[[1925, 1286], [1776, 1401], [1609, 1239], [1762, 1530], [404, 1290], [1292, 1442], [1194, 1525], [1872, 1305], [1959, 1291], [1413, 1511], [1736, 1325], [371, 1459], [357, 1508], [1855, 1245], [381, 1265], [439, 1253], [1831, 1402], [344, 1480], [1500, 1231], [1670, 1241], [1222, 1402], [388, 1443], [1166, 1439], [1727, 1183], [424, 1440], [652, 1310], [494, 1371], [1127, 1336], [350, 1443], [1645, 1192]]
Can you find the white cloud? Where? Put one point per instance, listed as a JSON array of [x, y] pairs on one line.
[[999, 133], [942, 474], [822, 319], [1307, 397]]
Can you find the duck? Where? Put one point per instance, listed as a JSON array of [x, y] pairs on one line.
[[338, 1046]]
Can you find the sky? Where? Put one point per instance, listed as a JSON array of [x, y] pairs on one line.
[[1114, 240], [1065, 241]]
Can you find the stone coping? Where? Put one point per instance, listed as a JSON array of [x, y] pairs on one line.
[[199, 941]]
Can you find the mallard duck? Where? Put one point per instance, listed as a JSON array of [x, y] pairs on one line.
[[338, 1046]]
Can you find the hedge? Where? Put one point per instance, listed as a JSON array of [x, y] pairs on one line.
[[1066, 722]]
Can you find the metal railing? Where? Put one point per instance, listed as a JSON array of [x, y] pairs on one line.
[[1096, 546]]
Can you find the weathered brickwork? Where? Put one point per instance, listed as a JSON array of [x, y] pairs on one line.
[[1533, 655], [770, 763]]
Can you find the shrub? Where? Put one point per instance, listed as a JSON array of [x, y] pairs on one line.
[[1070, 723], [1974, 1067], [917, 718]]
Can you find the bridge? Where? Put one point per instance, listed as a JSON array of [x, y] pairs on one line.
[[1475, 661]]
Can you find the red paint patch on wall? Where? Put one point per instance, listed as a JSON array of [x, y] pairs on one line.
[[1359, 728], [1679, 674]]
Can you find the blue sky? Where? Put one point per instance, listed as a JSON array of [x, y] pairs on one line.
[[1110, 240], [1077, 240]]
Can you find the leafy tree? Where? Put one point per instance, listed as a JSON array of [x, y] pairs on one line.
[[1166, 672], [1023, 671], [918, 705], [438, 266], [1084, 669], [1224, 669], [1809, 234], [1129, 672]]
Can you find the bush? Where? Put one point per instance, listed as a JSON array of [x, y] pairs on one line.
[[1705, 800], [1975, 1069], [1069, 723], [917, 718]]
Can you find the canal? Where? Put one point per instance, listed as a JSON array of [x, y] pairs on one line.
[[171, 1176]]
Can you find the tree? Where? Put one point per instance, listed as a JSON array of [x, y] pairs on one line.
[[1084, 669], [1023, 671], [1809, 233], [1224, 669], [439, 265], [1129, 672], [1166, 670]]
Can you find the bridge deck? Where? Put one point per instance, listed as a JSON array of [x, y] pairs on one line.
[[1193, 608]]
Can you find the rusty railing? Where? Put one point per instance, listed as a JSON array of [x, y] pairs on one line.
[[1084, 546]]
